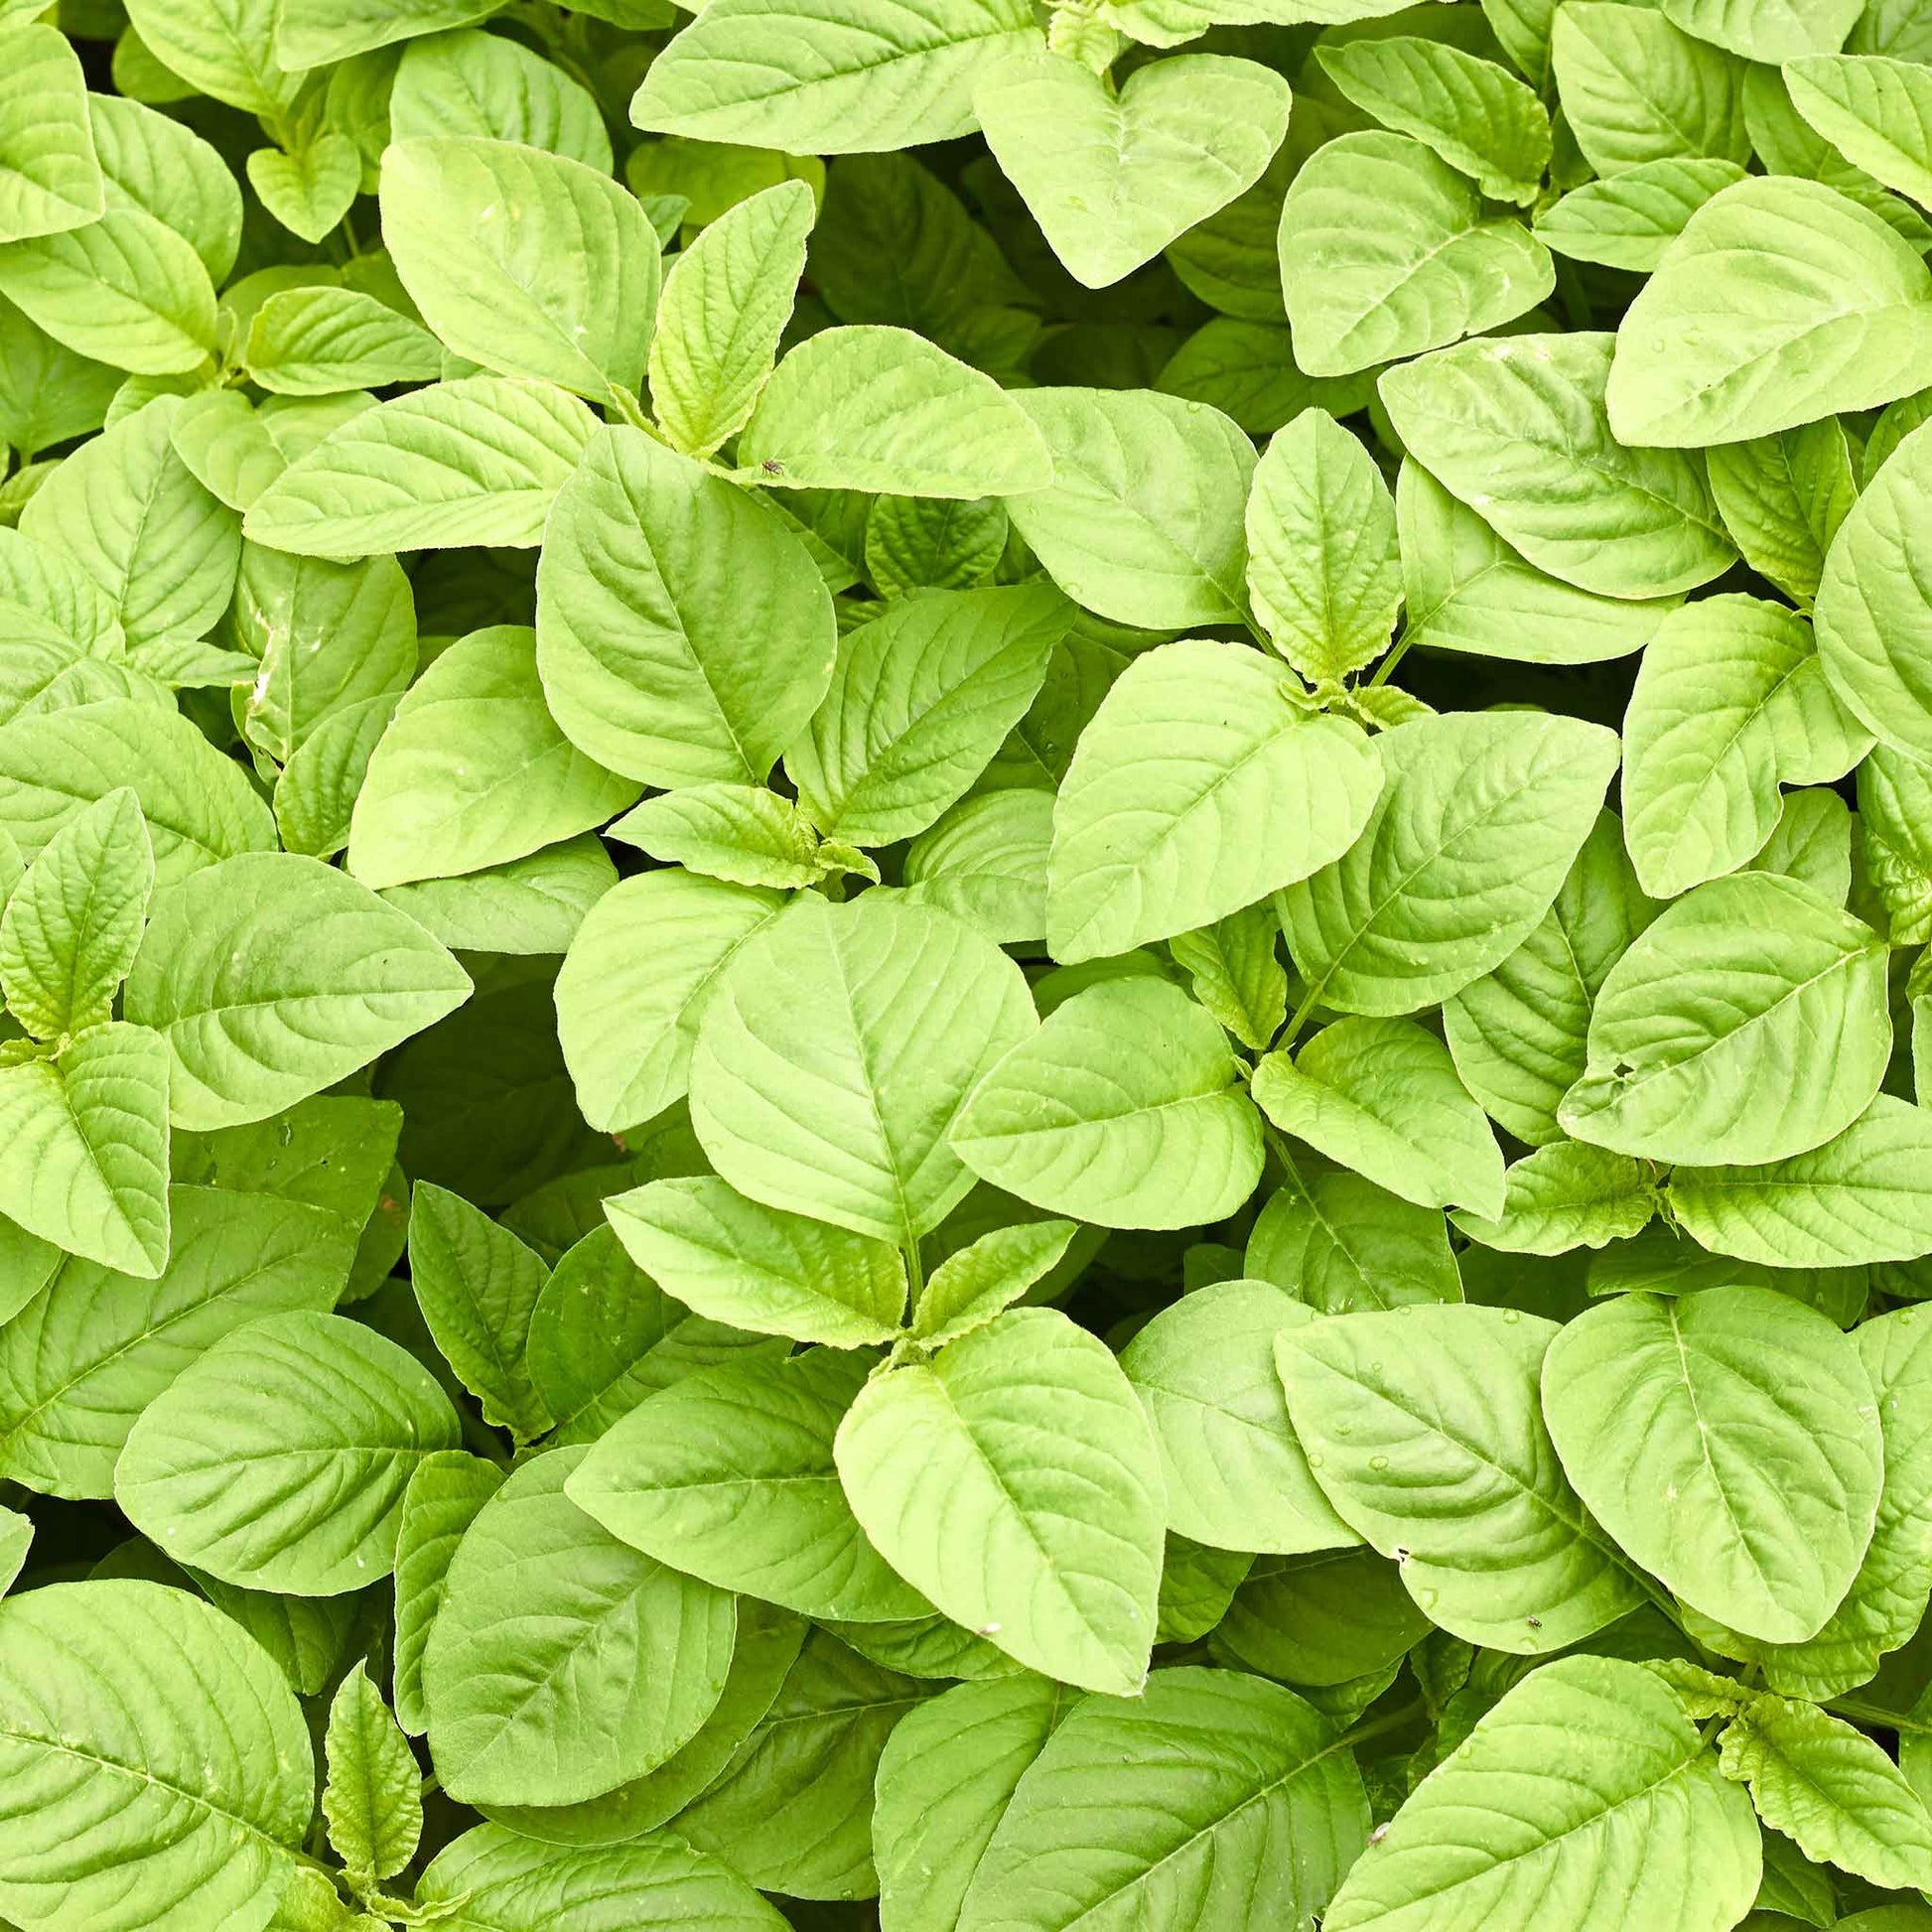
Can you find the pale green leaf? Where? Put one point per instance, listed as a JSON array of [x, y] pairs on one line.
[[1009, 1425], [373, 1798], [1751, 1489], [1565, 1195], [1124, 1109], [49, 179], [235, 1468]]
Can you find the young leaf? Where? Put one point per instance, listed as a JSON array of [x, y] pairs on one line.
[[1236, 1474], [374, 1797], [1382, 1096], [883, 409], [440, 1502], [472, 770], [72, 927], [526, 262], [270, 977], [1000, 1421], [1113, 176], [476, 1285], [975, 1283], [1386, 251], [1827, 309], [727, 301]]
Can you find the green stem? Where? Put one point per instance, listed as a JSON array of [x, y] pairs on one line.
[[1907, 1723], [1293, 1031], [1387, 666], [1380, 1726], [915, 1270]]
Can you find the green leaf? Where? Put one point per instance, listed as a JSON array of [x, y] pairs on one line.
[[49, 180], [1519, 1034], [768, 1646], [482, 84], [1565, 1195], [1873, 615], [604, 1335], [1635, 89], [1202, 785], [491, 1880], [1466, 590], [883, 409], [272, 976], [471, 461], [1878, 113], [1654, 1831], [476, 1285], [1113, 176], [835, 1054], [1705, 1038], [83, 1356], [975, 1283], [729, 1474], [793, 1812], [1237, 974], [235, 1468], [127, 511], [1009, 1423], [310, 188], [920, 699], [636, 982], [1329, 1621], [181, 1809], [1886, 1601], [323, 341], [1515, 427], [472, 770], [1382, 1096], [875, 77], [1324, 571], [1339, 1242], [562, 1662], [1262, 1770], [1386, 251], [527, 262], [1474, 114], [1627, 220], [222, 47], [16, 1539], [1142, 521], [1424, 1429], [441, 1502], [531, 905], [1124, 1109], [374, 1797], [946, 1779], [1463, 853], [71, 925], [1860, 1197], [1731, 702], [1824, 310], [727, 301], [741, 833], [984, 861], [1236, 1475], [760, 1268], [683, 633], [1831, 1789], [83, 1147], [313, 33], [1752, 1487]]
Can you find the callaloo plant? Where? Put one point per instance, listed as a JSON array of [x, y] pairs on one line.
[[965, 966]]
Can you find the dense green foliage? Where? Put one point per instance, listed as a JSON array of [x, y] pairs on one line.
[[1018, 1034]]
